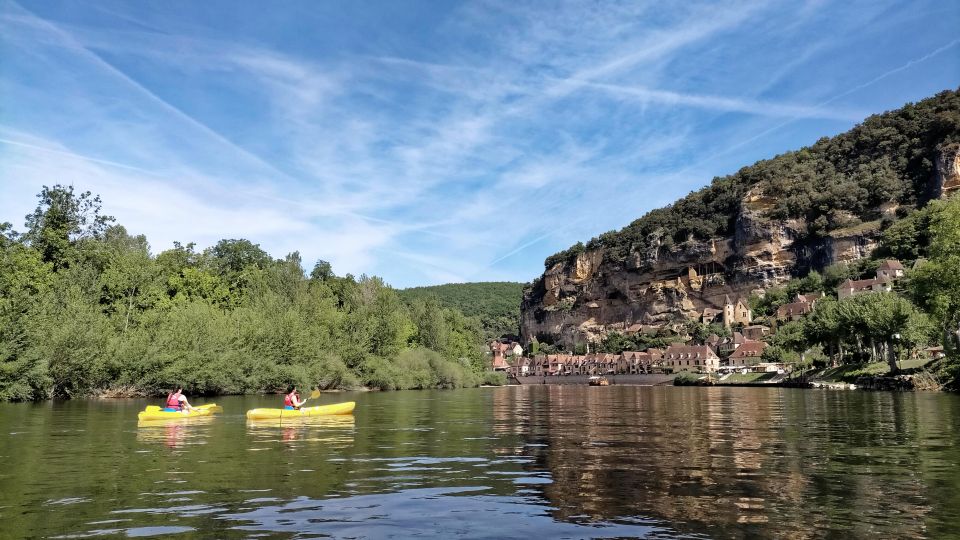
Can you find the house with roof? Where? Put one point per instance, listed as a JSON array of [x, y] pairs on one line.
[[729, 344], [810, 298], [793, 311], [656, 359], [711, 315], [738, 312], [501, 350], [634, 362], [747, 354], [755, 331], [852, 287], [696, 358], [802, 305], [890, 270]]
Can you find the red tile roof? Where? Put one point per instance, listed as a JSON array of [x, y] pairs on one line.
[[749, 349], [890, 264]]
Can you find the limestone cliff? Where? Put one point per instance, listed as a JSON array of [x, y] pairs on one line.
[[751, 230], [947, 177], [584, 298]]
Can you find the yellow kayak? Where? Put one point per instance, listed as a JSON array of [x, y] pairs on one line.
[[152, 412], [320, 410]]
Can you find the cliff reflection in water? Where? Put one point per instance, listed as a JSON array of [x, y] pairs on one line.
[[730, 460]]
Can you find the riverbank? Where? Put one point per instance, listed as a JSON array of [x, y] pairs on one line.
[[913, 375]]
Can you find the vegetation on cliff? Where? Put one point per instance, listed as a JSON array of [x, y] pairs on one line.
[[85, 308], [836, 183], [923, 309], [495, 303]]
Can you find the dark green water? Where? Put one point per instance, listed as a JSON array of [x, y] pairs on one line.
[[516, 462]]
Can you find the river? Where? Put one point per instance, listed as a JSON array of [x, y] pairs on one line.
[[511, 462]]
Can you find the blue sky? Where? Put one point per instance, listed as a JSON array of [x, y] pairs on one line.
[[437, 141]]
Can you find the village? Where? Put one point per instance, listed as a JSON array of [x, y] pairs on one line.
[[740, 352]]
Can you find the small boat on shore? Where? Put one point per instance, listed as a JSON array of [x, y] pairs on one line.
[[598, 381]]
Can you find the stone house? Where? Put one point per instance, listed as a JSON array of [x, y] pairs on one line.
[[793, 311], [696, 358], [738, 312], [748, 354], [501, 350], [500, 363], [755, 332], [729, 344], [854, 287], [521, 367], [710, 315], [890, 270]]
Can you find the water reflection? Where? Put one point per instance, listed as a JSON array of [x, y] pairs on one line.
[[337, 430], [734, 460], [174, 433], [547, 461]]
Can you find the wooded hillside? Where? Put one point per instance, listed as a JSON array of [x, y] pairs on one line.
[[496, 303]]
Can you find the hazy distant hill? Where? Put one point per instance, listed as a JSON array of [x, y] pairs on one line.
[[497, 303]]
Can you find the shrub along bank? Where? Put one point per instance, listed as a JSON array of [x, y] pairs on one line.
[[86, 308]]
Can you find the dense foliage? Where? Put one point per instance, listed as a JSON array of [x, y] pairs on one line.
[[836, 183], [86, 308], [496, 303], [923, 310]]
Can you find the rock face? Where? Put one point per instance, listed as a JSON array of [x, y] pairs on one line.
[[947, 175], [582, 299]]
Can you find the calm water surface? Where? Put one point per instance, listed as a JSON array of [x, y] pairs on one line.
[[515, 462]]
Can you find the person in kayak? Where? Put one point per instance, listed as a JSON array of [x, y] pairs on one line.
[[292, 401], [177, 402]]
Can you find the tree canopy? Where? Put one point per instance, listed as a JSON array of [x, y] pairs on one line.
[[497, 304], [85, 307]]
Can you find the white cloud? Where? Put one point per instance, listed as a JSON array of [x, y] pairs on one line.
[[519, 131]]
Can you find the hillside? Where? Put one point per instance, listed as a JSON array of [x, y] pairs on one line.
[[496, 303], [757, 228]]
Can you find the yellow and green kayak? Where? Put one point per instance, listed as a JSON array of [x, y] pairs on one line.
[[320, 410], [152, 412]]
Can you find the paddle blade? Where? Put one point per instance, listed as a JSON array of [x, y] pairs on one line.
[[212, 407], [315, 394]]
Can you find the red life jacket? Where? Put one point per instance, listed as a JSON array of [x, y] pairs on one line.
[[173, 401], [288, 399]]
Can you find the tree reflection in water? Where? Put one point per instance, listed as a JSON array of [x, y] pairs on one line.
[[729, 460]]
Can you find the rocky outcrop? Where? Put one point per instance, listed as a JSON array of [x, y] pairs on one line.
[[584, 298], [947, 175]]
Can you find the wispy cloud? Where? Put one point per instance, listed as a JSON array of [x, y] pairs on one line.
[[468, 148]]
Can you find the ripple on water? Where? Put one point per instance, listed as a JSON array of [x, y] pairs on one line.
[[429, 512]]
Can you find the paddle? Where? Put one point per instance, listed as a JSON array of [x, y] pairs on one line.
[[314, 394]]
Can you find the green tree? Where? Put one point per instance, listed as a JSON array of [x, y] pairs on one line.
[[935, 283], [60, 220]]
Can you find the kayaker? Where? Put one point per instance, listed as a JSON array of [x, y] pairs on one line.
[[177, 402], [292, 401]]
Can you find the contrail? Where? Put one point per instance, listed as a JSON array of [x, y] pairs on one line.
[[78, 156], [857, 88]]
